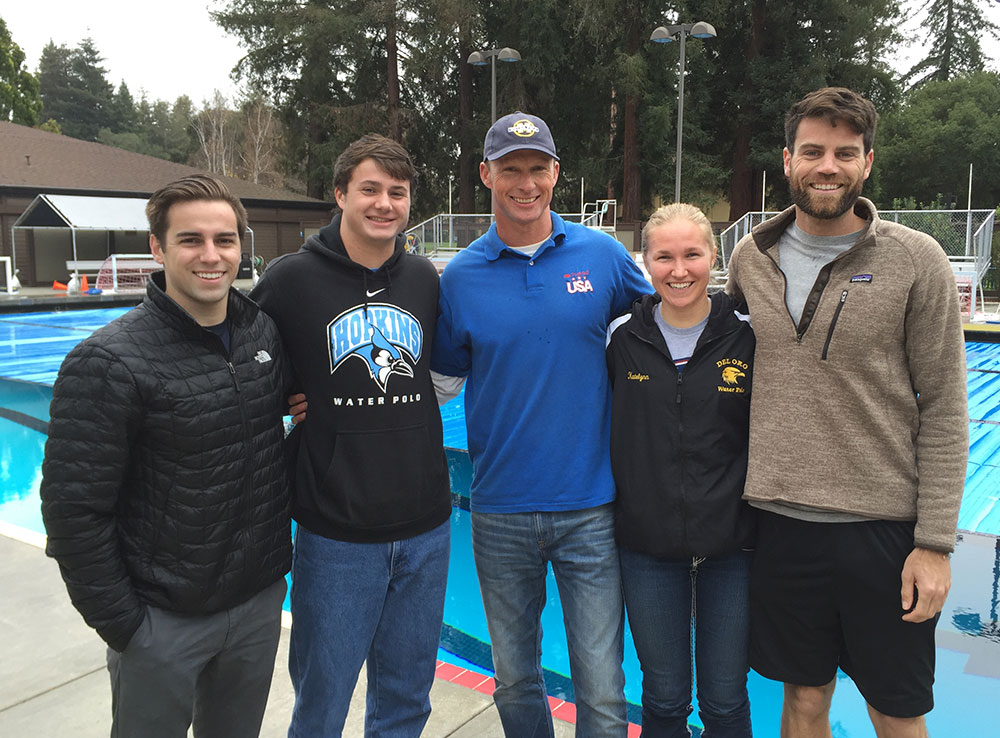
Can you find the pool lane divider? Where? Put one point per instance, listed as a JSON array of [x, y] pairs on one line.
[[29, 421]]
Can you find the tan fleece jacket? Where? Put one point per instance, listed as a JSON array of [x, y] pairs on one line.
[[862, 407]]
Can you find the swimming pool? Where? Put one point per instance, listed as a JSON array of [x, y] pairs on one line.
[[968, 668]]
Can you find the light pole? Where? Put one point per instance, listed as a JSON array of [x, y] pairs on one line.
[[451, 219], [506, 54], [664, 35]]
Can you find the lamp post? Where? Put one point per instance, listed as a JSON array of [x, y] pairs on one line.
[[506, 54], [451, 219], [664, 35]]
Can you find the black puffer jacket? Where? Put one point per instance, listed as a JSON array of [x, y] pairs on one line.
[[679, 439], [164, 480]]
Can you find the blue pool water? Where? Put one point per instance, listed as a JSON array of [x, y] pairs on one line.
[[968, 667]]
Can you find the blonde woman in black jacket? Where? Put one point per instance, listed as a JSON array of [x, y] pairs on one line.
[[681, 365]]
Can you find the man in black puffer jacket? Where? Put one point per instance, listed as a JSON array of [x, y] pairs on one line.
[[164, 489]]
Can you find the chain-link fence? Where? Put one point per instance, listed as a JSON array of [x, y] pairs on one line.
[[965, 235], [955, 230], [737, 231], [446, 233]]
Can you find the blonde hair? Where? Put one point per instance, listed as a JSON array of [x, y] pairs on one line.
[[679, 211]]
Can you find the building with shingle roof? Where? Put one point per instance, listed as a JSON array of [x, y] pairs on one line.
[[35, 162]]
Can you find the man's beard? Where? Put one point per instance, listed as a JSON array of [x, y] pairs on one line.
[[802, 197]]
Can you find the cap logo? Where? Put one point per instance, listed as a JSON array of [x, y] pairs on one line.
[[524, 128]]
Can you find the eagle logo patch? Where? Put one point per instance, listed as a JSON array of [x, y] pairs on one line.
[[733, 371], [732, 374]]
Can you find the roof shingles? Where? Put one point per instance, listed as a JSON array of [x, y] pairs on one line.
[[37, 159]]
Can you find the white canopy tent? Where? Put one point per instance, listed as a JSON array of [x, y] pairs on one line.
[[88, 213]]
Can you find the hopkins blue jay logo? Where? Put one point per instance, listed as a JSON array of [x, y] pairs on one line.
[[388, 339]]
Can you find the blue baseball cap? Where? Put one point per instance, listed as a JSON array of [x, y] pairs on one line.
[[515, 132]]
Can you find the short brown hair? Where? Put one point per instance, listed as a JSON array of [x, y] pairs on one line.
[[679, 211], [189, 189], [837, 105], [389, 155]]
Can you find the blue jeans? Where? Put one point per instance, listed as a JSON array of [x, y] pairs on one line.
[[512, 553], [352, 602], [664, 598]]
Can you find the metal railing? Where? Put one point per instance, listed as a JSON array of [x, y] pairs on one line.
[[965, 235], [10, 285], [602, 215], [991, 283], [982, 246], [442, 235], [737, 231]]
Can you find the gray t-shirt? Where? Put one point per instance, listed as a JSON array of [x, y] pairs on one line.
[[680, 341], [801, 256]]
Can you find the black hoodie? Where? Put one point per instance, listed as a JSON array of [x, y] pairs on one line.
[[368, 461]]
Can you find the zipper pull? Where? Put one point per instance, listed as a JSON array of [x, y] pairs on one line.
[[232, 370], [680, 379], [833, 324]]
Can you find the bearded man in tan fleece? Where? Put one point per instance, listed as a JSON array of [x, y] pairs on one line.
[[858, 432]]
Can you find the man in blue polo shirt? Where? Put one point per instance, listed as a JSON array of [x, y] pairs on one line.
[[524, 311]]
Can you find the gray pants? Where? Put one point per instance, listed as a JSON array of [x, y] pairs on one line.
[[210, 670]]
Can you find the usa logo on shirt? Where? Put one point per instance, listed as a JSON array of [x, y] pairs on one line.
[[578, 282]]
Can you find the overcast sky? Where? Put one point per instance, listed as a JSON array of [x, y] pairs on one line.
[[173, 48], [168, 49]]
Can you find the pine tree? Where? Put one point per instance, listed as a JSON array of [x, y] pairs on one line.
[[75, 91], [19, 98], [954, 29]]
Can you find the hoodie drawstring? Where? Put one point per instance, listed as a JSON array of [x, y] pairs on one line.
[[364, 273]]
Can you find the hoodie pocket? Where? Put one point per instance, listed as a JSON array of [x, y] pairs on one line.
[[382, 478]]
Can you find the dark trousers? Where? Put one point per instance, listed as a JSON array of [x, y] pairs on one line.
[[209, 671]]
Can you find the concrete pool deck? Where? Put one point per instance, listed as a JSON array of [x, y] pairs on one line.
[[54, 681], [52, 665]]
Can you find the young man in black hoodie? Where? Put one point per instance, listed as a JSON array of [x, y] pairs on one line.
[[372, 497]]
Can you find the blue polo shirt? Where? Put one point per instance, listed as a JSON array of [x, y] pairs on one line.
[[529, 335]]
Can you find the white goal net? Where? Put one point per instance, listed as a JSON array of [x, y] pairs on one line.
[[126, 272]]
